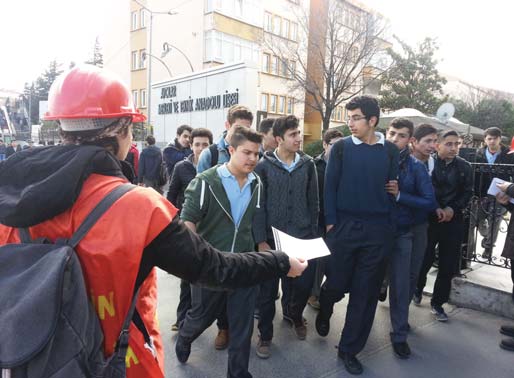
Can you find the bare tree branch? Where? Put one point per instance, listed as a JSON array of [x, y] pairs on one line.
[[344, 52]]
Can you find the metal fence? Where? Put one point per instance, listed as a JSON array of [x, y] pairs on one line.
[[486, 220]]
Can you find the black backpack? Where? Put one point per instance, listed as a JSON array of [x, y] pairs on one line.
[[213, 148], [48, 326]]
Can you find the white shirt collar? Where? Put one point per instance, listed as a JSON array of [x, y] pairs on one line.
[[380, 140]]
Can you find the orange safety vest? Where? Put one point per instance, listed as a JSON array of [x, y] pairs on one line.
[[110, 255]]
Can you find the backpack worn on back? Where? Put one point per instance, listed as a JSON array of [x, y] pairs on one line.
[[213, 148], [48, 326]]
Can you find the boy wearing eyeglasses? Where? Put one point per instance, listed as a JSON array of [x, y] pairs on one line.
[[452, 178], [359, 223]]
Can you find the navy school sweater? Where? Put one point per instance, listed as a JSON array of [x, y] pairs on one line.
[[355, 181]]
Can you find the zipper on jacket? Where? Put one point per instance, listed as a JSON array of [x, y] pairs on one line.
[[236, 226], [230, 217]]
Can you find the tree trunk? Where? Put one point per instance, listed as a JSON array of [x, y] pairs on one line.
[[326, 123]]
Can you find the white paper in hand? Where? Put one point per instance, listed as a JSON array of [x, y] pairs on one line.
[[493, 189], [300, 248]]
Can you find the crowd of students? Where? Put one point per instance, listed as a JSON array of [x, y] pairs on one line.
[[382, 203]]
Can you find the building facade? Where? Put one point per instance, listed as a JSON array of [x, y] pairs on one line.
[[201, 35]]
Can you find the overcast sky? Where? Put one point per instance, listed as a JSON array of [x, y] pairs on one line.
[[476, 37]]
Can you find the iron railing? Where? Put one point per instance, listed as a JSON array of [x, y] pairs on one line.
[[486, 221]]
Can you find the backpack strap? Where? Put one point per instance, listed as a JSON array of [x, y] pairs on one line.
[[24, 235], [90, 220], [123, 339], [213, 148], [97, 212]]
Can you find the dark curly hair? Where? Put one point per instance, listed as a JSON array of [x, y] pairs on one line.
[[105, 137]]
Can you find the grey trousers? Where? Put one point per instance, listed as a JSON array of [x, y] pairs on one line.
[[419, 246], [399, 286], [207, 305]]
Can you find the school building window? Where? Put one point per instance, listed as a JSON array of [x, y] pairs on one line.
[[265, 62], [133, 24], [264, 102], [134, 97], [134, 60], [143, 98]]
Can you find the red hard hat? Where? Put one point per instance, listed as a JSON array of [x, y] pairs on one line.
[[90, 92]]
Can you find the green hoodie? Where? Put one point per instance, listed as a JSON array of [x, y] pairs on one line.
[[207, 205]]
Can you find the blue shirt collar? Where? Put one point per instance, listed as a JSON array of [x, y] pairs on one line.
[[224, 172], [491, 158], [293, 163]]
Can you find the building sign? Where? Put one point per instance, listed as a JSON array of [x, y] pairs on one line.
[[195, 104], [202, 99]]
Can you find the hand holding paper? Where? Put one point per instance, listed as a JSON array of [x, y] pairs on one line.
[[494, 189], [299, 248]]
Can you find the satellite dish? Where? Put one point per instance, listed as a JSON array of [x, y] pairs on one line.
[[445, 112]]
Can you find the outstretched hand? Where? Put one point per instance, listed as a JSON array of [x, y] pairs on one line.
[[297, 266]]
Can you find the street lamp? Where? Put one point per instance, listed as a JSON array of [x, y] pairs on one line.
[[149, 78], [167, 47], [145, 54]]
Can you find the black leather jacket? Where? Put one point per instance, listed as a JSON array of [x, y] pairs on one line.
[[453, 183]]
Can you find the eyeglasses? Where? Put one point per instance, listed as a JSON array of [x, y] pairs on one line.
[[354, 118]]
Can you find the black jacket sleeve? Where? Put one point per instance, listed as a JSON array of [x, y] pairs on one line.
[[175, 185], [183, 253]]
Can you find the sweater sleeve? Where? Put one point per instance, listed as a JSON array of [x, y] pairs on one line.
[[332, 176], [183, 253], [394, 161], [259, 219]]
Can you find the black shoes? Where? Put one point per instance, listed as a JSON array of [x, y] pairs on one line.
[[182, 349], [401, 350], [507, 344], [351, 363], [507, 330], [322, 324], [416, 298]]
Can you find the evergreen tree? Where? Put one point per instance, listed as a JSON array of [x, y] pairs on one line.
[[97, 59], [413, 81]]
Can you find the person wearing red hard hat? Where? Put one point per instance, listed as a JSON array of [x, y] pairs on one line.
[[50, 191]]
